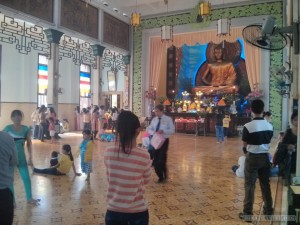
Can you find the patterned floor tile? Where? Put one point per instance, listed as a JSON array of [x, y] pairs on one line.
[[201, 188]]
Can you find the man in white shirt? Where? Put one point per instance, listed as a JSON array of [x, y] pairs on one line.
[[163, 125]]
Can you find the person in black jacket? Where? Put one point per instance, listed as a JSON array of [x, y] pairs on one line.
[[286, 154]]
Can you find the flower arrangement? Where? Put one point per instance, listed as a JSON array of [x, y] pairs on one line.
[[161, 99], [202, 113], [151, 93], [229, 98], [255, 94]]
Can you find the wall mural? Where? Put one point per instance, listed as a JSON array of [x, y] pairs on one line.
[[42, 9], [274, 8], [79, 16]]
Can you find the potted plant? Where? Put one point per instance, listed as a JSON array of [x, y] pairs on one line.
[[161, 99]]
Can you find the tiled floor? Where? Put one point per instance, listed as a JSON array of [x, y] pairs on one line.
[[201, 189]]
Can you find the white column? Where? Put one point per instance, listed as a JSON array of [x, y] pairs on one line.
[[97, 75], [53, 37], [97, 82], [127, 80], [53, 77]]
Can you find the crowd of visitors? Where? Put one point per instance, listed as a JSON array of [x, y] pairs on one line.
[[127, 164]]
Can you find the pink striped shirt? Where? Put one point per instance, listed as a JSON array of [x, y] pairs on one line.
[[127, 177]]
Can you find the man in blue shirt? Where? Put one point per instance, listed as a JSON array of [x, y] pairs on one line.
[[8, 159], [163, 125]]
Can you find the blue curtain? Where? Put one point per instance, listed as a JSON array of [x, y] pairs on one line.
[[192, 58]]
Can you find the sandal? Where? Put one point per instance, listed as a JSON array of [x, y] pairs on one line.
[[34, 202]]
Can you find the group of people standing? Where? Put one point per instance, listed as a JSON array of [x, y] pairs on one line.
[[44, 122], [97, 119]]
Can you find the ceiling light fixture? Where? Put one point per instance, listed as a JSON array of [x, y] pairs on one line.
[[223, 25], [204, 10], [135, 18], [167, 30]]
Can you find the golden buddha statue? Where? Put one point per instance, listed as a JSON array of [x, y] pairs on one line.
[[219, 75], [222, 73]]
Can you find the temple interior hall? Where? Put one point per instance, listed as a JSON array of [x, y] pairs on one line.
[[201, 189], [197, 58]]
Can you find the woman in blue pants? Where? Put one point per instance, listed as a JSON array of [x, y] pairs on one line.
[[22, 134]]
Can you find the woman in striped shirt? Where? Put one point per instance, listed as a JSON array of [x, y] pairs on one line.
[[128, 170]]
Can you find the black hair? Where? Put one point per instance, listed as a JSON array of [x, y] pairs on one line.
[[294, 114], [42, 108], [51, 109], [54, 154], [88, 132], [267, 114], [96, 109], [159, 107], [77, 109], [257, 106], [127, 124], [16, 112], [67, 148]]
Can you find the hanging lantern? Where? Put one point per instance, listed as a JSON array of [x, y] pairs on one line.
[[167, 30], [204, 9], [166, 33], [135, 20], [223, 27]]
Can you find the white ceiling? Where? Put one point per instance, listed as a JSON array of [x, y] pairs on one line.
[[151, 8]]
